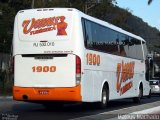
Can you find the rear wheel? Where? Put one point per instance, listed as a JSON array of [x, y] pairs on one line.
[[138, 99], [104, 99], [149, 96]]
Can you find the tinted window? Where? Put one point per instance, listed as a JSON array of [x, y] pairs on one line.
[[100, 38], [133, 48], [145, 49], [104, 39]]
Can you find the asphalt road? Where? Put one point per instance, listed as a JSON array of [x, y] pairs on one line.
[[31, 111]]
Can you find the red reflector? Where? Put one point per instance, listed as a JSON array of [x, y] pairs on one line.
[[78, 65]]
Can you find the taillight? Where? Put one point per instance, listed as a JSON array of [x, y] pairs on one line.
[[78, 65], [78, 70]]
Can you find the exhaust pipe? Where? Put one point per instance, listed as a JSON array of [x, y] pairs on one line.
[[25, 97]]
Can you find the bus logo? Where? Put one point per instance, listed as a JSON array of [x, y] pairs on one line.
[[36, 26], [125, 72]]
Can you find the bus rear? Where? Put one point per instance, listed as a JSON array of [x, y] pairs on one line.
[[46, 66]]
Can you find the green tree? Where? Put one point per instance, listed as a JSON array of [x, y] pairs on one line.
[[6, 27], [20, 4]]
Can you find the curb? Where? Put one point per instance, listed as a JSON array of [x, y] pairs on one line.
[[148, 111], [151, 113], [6, 97], [148, 114]]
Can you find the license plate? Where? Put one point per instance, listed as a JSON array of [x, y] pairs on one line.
[[43, 92]]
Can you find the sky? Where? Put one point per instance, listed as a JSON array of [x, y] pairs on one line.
[[149, 13]]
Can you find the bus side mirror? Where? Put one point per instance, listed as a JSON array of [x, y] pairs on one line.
[[149, 66]]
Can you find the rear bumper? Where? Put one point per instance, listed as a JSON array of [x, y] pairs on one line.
[[43, 94]]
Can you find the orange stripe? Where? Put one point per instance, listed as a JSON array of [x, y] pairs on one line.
[[60, 94]]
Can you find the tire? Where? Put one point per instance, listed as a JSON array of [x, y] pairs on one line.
[[138, 99], [104, 99], [150, 94]]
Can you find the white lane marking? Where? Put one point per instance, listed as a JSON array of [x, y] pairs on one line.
[[116, 110], [148, 111], [127, 108]]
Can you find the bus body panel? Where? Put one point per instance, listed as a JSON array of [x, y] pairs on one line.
[[45, 58], [37, 72], [47, 94], [37, 31], [95, 76]]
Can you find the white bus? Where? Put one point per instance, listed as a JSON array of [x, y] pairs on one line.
[[62, 54]]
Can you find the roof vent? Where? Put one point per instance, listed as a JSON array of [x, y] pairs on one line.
[[39, 10], [51, 9], [21, 11], [70, 9], [45, 9]]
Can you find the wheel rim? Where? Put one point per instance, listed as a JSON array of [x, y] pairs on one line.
[[140, 93], [104, 97]]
